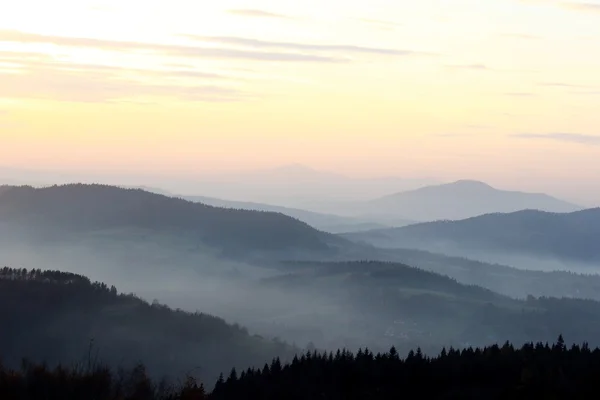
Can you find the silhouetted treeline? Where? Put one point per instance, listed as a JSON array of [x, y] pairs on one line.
[[53, 316], [535, 371], [92, 382]]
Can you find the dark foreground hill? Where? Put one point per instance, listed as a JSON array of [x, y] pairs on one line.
[[534, 371], [53, 316], [79, 209], [570, 236]]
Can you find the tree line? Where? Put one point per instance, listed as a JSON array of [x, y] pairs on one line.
[[538, 370]]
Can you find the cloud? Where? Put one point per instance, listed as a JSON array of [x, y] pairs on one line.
[[585, 7], [587, 92], [246, 42], [576, 6], [168, 49], [561, 84], [257, 13], [11, 56], [97, 83], [564, 137], [575, 89], [27, 61]]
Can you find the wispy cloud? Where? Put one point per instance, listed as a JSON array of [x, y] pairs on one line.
[[247, 42], [585, 7], [257, 13], [103, 87], [562, 85], [168, 49], [564, 137], [24, 61], [582, 6], [573, 88], [67, 81], [586, 92]]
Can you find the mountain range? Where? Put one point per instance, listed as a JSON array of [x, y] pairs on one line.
[[80, 209], [543, 235], [325, 222], [459, 200], [451, 201]]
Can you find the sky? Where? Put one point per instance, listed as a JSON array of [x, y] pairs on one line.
[[505, 91]]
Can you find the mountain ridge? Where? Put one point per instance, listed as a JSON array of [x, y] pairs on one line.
[[463, 199], [568, 236], [79, 207]]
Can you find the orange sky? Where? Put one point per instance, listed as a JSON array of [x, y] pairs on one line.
[[496, 90]]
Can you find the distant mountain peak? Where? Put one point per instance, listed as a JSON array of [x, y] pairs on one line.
[[295, 167], [470, 183]]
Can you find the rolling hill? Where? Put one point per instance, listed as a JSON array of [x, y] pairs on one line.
[[391, 303], [325, 222], [461, 199], [54, 317], [564, 236], [76, 210]]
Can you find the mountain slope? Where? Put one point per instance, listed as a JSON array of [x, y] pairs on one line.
[[463, 199], [79, 209], [298, 186], [390, 303], [568, 236], [326, 222], [51, 316]]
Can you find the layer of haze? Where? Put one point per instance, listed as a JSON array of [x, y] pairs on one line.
[[504, 91]]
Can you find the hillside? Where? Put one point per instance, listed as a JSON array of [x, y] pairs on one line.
[[52, 316], [498, 372], [382, 304], [298, 186], [325, 222], [507, 280], [462, 199], [79, 209], [568, 236]]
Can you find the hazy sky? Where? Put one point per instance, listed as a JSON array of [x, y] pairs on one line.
[[499, 90]]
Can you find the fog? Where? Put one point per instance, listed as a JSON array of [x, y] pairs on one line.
[[281, 280], [201, 282], [280, 301], [523, 261]]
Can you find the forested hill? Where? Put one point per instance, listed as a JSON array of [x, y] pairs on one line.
[[52, 316], [569, 236], [535, 371], [73, 209], [496, 372]]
